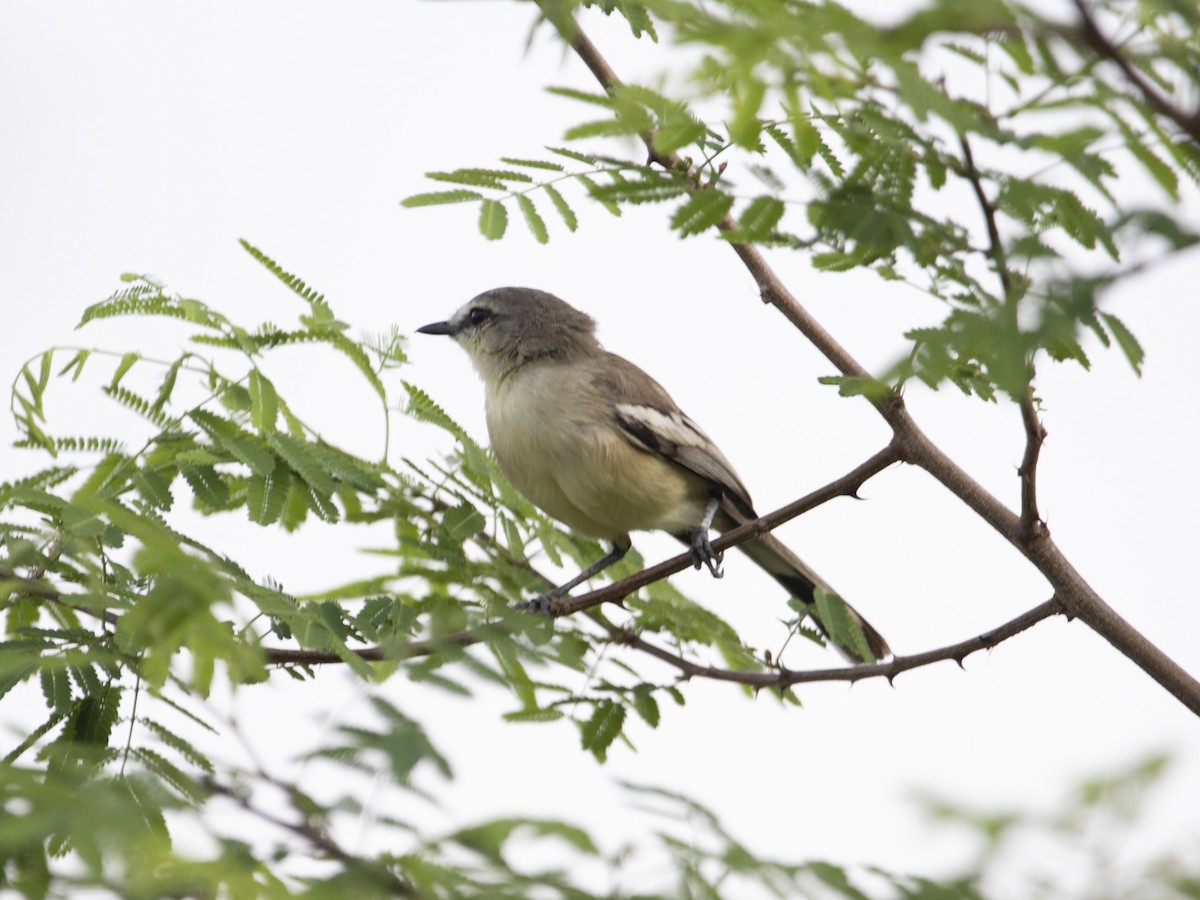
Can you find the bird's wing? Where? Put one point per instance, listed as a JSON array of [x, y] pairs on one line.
[[651, 420]]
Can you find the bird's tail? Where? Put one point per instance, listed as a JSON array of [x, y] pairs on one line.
[[801, 582]]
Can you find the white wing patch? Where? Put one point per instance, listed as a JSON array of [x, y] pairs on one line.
[[673, 428], [674, 436]]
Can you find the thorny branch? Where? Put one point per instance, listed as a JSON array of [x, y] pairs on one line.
[[846, 486], [1031, 524], [1076, 598], [783, 677], [777, 677]]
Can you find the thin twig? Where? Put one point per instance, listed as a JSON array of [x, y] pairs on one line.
[[288, 656], [305, 828], [846, 486], [995, 245], [776, 678], [783, 677], [1031, 525], [13, 583]]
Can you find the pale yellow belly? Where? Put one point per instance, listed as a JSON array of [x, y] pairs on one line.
[[582, 471]]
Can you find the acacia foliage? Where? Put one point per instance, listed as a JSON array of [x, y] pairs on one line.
[[804, 127], [807, 127], [122, 617]]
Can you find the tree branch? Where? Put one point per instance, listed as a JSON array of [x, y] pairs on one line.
[[776, 678], [846, 486], [1074, 594], [288, 656], [1092, 36], [304, 827], [1031, 525], [13, 583], [995, 249], [786, 677]]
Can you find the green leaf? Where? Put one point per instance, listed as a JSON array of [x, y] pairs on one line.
[[603, 128], [243, 446], [595, 191], [300, 456], [293, 283], [705, 209], [463, 522], [124, 366], [168, 383], [536, 225], [560, 204], [489, 839], [178, 744], [75, 366], [602, 728], [264, 402], [1151, 162], [485, 178], [759, 218], [646, 706], [493, 219], [533, 715], [841, 625], [1126, 340], [745, 128], [650, 188], [678, 130], [212, 494], [506, 655], [440, 198], [265, 496], [857, 386], [170, 774], [56, 689], [533, 164], [154, 489]]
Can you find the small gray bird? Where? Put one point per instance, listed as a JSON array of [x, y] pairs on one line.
[[599, 445]]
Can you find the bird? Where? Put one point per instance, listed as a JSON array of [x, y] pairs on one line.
[[596, 443]]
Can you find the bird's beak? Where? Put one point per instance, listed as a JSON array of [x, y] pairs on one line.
[[439, 328]]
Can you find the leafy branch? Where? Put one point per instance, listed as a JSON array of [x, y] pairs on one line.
[[1074, 596]]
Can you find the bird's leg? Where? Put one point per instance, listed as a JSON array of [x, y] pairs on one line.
[[541, 605], [702, 550]]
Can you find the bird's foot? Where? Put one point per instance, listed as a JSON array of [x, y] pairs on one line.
[[703, 553], [538, 605]]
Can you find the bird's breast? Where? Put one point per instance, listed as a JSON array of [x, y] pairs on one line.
[[557, 442]]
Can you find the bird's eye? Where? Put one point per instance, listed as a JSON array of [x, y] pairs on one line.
[[479, 314]]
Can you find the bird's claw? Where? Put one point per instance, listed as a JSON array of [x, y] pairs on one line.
[[703, 553], [538, 605]]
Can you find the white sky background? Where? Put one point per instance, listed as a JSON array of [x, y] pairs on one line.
[[150, 136]]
